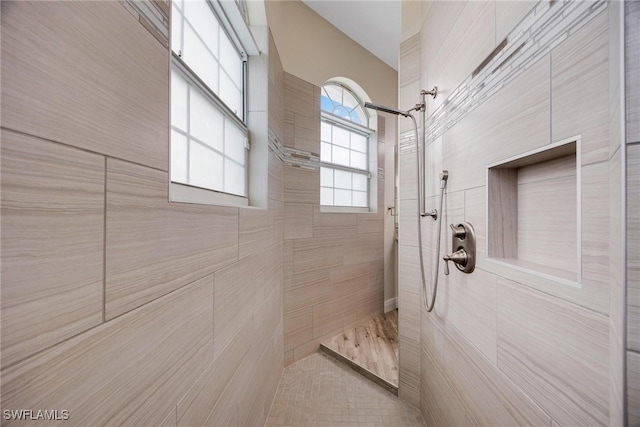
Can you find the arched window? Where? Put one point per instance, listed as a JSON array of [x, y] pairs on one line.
[[344, 151]]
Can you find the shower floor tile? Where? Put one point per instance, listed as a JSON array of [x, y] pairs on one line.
[[371, 348], [321, 391]]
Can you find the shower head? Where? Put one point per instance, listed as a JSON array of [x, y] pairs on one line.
[[386, 109]]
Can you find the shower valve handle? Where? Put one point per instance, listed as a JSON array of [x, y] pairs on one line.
[[458, 231], [459, 257]]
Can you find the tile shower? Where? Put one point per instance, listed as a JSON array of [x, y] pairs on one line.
[[112, 275], [540, 318]]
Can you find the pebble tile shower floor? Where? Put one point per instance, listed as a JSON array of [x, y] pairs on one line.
[[320, 391]]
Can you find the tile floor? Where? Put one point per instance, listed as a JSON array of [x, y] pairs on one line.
[[320, 391]]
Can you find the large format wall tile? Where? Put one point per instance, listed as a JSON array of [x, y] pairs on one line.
[[632, 74], [471, 375], [239, 289], [298, 220], [486, 135], [508, 14], [633, 388], [578, 63], [52, 243], [467, 302], [465, 46], [154, 247], [256, 228], [301, 185], [122, 362], [633, 248], [88, 75], [557, 353]]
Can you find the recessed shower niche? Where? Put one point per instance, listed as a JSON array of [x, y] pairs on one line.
[[533, 218]]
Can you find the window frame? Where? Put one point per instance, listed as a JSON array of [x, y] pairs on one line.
[[242, 41], [370, 134]]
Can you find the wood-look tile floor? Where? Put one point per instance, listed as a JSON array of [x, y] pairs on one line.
[[372, 346], [322, 391]]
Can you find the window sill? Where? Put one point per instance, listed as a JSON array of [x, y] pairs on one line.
[[343, 209], [181, 193]]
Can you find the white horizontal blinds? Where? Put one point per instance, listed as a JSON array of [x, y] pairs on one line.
[[203, 44], [345, 184], [207, 147], [343, 188], [208, 137]]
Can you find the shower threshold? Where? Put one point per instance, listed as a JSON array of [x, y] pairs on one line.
[[370, 349]]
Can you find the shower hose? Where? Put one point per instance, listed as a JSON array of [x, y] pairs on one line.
[[428, 305]]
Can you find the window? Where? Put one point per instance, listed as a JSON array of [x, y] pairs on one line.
[[344, 149], [209, 135]]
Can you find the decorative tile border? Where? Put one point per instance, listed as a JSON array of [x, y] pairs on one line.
[[547, 25], [153, 15], [291, 156]]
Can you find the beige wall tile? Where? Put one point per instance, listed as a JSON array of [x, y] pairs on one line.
[[596, 205], [317, 254], [146, 235], [306, 131], [298, 221], [306, 289], [123, 362], [508, 15], [633, 388], [52, 244], [439, 20], [632, 65], [239, 290], [468, 303], [333, 224], [297, 328], [472, 375], [298, 95], [486, 135], [349, 280], [197, 403], [475, 213], [409, 69], [330, 317], [301, 185], [557, 353], [578, 63], [502, 194], [371, 222], [408, 368], [633, 249], [472, 38], [276, 91], [276, 178], [288, 358], [548, 187], [256, 228], [362, 248], [56, 88]]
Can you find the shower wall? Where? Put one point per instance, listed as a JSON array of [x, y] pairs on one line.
[[333, 262], [118, 306], [632, 89], [516, 341]]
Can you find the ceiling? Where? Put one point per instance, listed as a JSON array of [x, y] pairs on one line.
[[374, 24]]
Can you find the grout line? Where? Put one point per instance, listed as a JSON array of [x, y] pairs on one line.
[[104, 247], [86, 150]]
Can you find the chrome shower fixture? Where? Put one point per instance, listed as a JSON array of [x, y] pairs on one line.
[[386, 109], [433, 92], [418, 107]]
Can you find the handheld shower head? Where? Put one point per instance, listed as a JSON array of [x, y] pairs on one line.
[[386, 109]]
